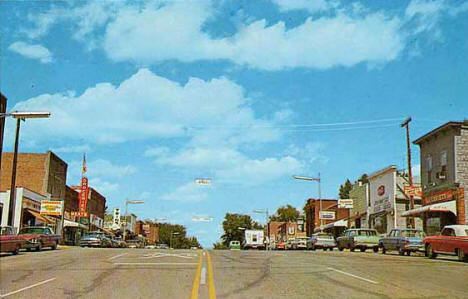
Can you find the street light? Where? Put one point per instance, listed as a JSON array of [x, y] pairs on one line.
[[172, 234], [319, 180], [20, 116], [127, 202]]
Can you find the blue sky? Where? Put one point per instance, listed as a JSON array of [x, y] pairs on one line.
[[247, 93]]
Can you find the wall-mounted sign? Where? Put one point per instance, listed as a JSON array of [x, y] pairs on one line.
[[83, 195], [381, 190], [327, 215], [413, 191], [51, 207], [439, 197], [345, 203], [79, 214], [291, 230]]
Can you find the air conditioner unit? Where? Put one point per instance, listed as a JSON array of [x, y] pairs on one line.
[[441, 175]]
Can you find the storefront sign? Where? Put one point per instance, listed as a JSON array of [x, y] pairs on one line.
[[382, 192], [51, 207], [83, 195], [79, 214], [328, 215], [345, 203], [438, 197], [413, 191], [96, 221]]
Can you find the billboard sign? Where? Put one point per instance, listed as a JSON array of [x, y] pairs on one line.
[[413, 191], [327, 215], [382, 191], [83, 195], [345, 203], [52, 207]]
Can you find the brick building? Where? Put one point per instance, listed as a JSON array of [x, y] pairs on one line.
[[444, 176], [284, 231], [96, 207], [41, 173], [334, 219]]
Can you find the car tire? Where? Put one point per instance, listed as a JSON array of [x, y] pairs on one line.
[[408, 253], [384, 250], [324, 248], [362, 249], [401, 251], [430, 252], [39, 247], [331, 248], [17, 250], [351, 249], [462, 257], [54, 246], [340, 248], [375, 249]]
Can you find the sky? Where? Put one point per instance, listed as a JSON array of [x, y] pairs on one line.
[[246, 93]]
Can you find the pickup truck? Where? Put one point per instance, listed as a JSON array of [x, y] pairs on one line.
[[453, 240], [9, 242], [38, 237], [404, 240]]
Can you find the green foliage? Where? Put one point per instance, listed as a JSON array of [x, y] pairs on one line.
[[231, 225], [345, 188], [286, 214], [220, 246], [364, 178], [180, 239]]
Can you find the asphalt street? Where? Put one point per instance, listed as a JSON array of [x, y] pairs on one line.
[[150, 273]]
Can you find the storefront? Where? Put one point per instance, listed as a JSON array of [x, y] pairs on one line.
[[382, 185], [73, 231], [335, 228], [441, 209]]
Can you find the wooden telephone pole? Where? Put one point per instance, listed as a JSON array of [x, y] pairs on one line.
[[410, 172]]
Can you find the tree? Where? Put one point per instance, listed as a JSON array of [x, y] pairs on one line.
[[231, 225], [180, 239], [219, 246], [345, 188], [364, 178], [285, 214]]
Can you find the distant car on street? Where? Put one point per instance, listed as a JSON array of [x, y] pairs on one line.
[[9, 242], [299, 243], [135, 244], [358, 238], [151, 246], [194, 248], [234, 245], [38, 237], [321, 240], [95, 239], [254, 239], [453, 240], [162, 246], [403, 240], [289, 244], [281, 246]]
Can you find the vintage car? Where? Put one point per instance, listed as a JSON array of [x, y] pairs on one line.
[[403, 240], [281, 246], [453, 240], [95, 239], [9, 242], [321, 240], [234, 245], [358, 238], [299, 243], [38, 237]]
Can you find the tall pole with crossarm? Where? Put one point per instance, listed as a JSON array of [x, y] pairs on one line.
[[410, 171]]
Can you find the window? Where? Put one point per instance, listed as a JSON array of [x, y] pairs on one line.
[[429, 168], [443, 158], [448, 232], [397, 233]]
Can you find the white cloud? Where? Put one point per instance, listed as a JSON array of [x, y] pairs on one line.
[[73, 149], [146, 105], [189, 192], [35, 51], [103, 168], [105, 188], [151, 32]]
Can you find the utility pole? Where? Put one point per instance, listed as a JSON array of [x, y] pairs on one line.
[[11, 211], [3, 104], [410, 172]]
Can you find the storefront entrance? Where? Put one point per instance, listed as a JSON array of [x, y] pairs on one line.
[[434, 222]]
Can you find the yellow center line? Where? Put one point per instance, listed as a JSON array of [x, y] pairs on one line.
[[211, 285], [196, 282]]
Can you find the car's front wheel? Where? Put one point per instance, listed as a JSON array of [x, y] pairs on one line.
[[462, 257], [340, 248], [54, 246], [375, 249], [39, 246], [383, 250]]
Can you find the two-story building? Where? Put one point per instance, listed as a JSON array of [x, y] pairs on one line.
[[325, 215], [444, 176]]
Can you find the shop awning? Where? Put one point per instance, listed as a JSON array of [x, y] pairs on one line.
[[449, 206], [40, 217], [69, 223], [339, 223]]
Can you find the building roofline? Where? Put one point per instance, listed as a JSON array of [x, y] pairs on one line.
[[382, 171], [440, 128]]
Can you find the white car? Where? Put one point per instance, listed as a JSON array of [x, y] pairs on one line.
[[150, 247]]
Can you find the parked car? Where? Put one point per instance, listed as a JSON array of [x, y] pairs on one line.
[[281, 246], [162, 246], [299, 243], [403, 240], [234, 245], [38, 237], [358, 238], [321, 240], [95, 239], [9, 242], [151, 246], [135, 244], [289, 244], [254, 239], [453, 240]]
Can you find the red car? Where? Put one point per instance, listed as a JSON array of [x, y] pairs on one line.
[[9, 242], [281, 246], [38, 237], [453, 240]]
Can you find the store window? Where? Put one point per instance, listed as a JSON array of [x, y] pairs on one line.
[[443, 162], [429, 168]]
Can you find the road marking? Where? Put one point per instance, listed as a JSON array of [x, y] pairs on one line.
[[196, 281], [26, 288], [352, 275], [114, 257], [203, 276], [211, 285], [165, 264], [156, 255]]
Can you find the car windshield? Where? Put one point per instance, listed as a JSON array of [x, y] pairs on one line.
[[289, 140], [33, 230], [412, 234]]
